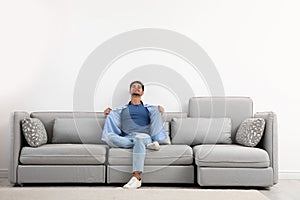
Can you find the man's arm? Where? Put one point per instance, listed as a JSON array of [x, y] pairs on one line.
[[157, 131], [112, 124]]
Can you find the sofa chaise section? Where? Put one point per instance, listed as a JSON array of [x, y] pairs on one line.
[[234, 164]]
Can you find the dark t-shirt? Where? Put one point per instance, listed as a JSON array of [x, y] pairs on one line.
[[135, 118]]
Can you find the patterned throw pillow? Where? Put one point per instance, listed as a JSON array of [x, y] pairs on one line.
[[250, 132], [34, 132]]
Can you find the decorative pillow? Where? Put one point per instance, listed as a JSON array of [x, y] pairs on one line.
[[193, 131], [34, 132], [78, 130], [250, 132]]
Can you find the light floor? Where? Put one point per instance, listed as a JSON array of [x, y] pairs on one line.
[[283, 190]]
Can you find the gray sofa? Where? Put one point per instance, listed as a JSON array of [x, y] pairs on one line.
[[183, 161]]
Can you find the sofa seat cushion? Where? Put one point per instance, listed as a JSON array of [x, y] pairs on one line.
[[57, 154], [230, 155], [167, 155]]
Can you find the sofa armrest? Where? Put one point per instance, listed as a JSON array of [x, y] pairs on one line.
[[16, 142], [269, 140]]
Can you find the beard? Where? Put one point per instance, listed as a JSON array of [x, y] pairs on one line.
[[136, 94]]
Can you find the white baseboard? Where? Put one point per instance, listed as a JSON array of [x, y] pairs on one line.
[[289, 175], [3, 173]]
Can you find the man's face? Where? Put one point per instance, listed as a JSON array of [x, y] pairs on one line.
[[136, 89]]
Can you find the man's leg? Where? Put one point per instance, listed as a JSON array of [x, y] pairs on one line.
[[139, 151], [140, 141], [114, 140]]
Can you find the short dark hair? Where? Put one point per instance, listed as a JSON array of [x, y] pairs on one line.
[[139, 82]]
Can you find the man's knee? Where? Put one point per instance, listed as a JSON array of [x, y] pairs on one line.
[[110, 136], [112, 140], [142, 136]]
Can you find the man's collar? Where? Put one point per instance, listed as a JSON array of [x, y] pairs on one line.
[[130, 102]]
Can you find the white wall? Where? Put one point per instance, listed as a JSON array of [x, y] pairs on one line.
[[254, 45]]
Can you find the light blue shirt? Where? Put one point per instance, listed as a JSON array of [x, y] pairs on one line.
[[156, 128]]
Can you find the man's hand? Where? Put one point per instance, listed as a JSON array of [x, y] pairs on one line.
[[161, 109], [106, 111]]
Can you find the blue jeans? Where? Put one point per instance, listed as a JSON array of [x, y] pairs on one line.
[[137, 141]]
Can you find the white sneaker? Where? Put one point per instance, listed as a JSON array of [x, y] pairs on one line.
[[133, 183], [153, 146]]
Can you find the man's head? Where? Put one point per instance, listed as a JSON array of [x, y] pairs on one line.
[[136, 88]]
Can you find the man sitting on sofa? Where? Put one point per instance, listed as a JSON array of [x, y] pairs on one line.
[[135, 125]]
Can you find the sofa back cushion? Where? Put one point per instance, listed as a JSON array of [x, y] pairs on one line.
[[195, 131], [48, 118], [235, 108], [77, 130]]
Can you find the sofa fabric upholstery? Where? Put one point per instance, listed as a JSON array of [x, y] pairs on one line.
[[77, 130], [167, 155], [61, 154], [193, 131], [17, 142], [48, 118], [204, 164], [61, 173], [230, 156], [216, 176], [269, 141], [236, 108]]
